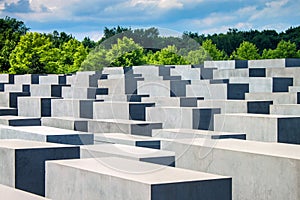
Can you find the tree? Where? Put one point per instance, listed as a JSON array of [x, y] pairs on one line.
[[213, 51], [126, 53], [197, 56], [96, 60], [72, 54], [284, 49], [88, 43], [246, 51], [166, 56], [10, 32], [26, 57]]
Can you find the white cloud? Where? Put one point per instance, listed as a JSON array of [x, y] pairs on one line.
[[271, 9]]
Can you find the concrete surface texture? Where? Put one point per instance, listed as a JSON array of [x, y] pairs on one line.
[[105, 178], [229, 118]]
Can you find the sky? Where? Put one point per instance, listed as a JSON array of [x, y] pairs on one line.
[[89, 17]]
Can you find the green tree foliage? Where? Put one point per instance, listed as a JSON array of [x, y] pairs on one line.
[[126, 53], [35, 53], [26, 57], [58, 39], [213, 51], [284, 49], [197, 56], [10, 32], [166, 56], [246, 51], [88, 43]]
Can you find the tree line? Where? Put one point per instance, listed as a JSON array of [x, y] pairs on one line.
[[22, 51]]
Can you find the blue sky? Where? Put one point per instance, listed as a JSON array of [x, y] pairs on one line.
[[89, 17]]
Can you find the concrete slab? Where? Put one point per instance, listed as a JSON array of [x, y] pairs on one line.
[[277, 98], [192, 134], [70, 123], [259, 170], [23, 162], [260, 127], [134, 127], [128, 179], [126, 139], [35, 106], [285, 109], [46, 134], [19, 121], [237, 106], [120, 110], [183, 117], [129, 152], [15, 194]]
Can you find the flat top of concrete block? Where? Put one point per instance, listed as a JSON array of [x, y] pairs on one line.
[[38, 97], [124, 121], [259, 115], [128, 151], [193, 131], [254, 147], [8, 193], [10, 117], [67, 118], [122, 136], [143, 172], [44, 130], [25, 144]]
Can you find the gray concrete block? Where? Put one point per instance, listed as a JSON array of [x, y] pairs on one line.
[[46, 134], [142, 128], [35, 106], [52, 79], [76, 108], [186, 72], [15, 194], [155, 88], [173, 101], [259, 170], [46, 90], [192, 134], [128, 179], [20, 121], [23, 163], [203, 88], [82, 92], [228, 64], [129, 152], [238, 106], [126, 139], [274, 63], [277, 98], [120, 110], [293, 72], [84, 79], [259, 127], [183, 117], [229, 73], [285, 109], [70, 123]]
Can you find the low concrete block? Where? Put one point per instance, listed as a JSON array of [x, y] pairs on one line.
[[192, 134], [15, 194], [237, 106], [260, 127], [35, 106], [259, 170], [126, 139], [70, 123], [121, 110], [117, 178], [129, 152], [46, 134], [183, 117], [23, 163], [19, 121], [142, 128]]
